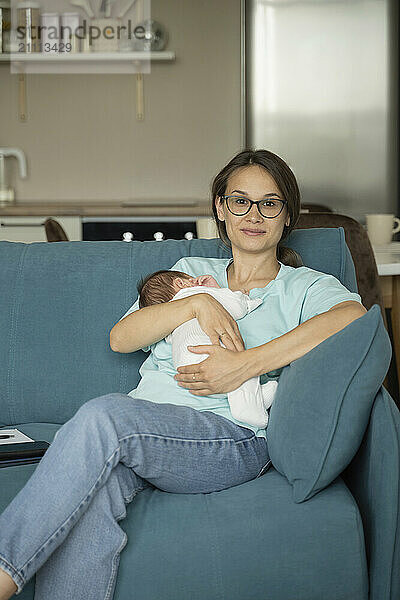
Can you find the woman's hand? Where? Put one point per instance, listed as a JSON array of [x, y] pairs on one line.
[[216, 322], [226, 368], [222, 372]]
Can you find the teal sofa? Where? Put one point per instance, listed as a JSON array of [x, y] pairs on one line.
[[58, 303]]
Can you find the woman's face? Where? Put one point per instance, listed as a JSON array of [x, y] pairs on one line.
[[255, 183]]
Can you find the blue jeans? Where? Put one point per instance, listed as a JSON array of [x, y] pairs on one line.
[[63, 524]]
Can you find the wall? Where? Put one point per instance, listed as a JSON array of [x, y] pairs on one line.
[[83, 142]]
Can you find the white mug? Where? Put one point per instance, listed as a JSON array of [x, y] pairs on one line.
[[206, 228], [380, 228]]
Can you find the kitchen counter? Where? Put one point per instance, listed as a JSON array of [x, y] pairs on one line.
[[107, 209]]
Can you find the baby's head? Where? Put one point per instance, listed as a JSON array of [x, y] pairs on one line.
[[162, 286]]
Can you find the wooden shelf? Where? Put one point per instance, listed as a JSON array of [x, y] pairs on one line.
[[77, 57], [74, 63]]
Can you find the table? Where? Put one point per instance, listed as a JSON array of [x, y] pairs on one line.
[[388, 262]]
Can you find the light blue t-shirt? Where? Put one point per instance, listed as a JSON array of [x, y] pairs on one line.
[[294, 296]]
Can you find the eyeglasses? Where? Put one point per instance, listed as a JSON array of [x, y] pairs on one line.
[[268, 208]]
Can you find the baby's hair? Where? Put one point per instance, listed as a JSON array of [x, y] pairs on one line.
[[157, 287]]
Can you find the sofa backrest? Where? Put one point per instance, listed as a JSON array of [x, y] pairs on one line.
[[59, 301]]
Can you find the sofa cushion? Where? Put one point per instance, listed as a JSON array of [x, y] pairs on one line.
[[249, 541], [323, 403], [233, 543], [54, 336]]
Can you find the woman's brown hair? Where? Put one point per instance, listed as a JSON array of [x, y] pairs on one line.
[[284, 179]]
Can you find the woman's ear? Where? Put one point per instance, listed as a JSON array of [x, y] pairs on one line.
[[220, 211]]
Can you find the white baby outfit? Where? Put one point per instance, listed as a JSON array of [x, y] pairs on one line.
[[250, 401]]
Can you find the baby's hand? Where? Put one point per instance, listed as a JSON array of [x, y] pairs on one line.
[[245, 291]]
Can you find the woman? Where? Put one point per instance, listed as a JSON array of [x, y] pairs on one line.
[[173, 440]]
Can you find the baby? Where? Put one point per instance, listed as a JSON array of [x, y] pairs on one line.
[[250, 401]]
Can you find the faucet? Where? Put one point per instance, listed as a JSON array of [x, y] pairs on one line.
[[6, 193]]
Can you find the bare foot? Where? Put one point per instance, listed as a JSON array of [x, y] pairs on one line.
[[7, 586]]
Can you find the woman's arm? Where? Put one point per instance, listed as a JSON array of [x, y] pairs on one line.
[[222, 372], [153, 323], [283, 350], [150, 324]]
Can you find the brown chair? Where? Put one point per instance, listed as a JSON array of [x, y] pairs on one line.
[[315, 208], [54, 231], [366, 270]]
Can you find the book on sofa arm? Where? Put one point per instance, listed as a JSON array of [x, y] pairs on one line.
[[16, 448]]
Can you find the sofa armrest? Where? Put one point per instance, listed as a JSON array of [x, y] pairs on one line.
[[373, 478]]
